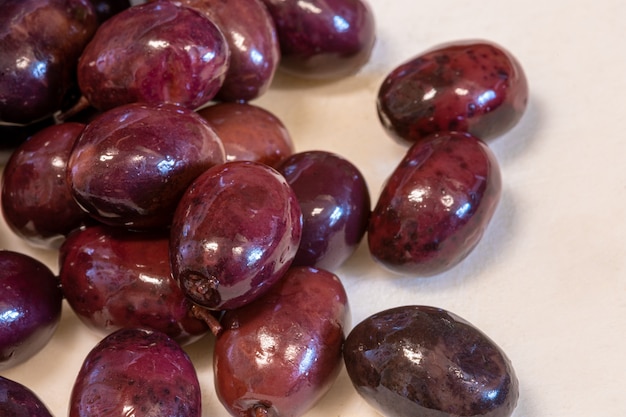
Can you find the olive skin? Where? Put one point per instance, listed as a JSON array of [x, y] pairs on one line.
[[278, 355], [323, 39], [254, 51], [17, 400], [422, 361], [155, 52], [131, 164], [335, 204], [235, 233], [249, 132], [136, 372], [114, 278], [471, 86], [435, 206], [30, 307], [40, 44], [35, 189]]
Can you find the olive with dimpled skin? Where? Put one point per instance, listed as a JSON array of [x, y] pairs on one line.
[[471, 86], [421, 361], [436, 205]]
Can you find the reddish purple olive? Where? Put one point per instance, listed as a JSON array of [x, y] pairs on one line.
[[470, 86], [235, 233], [136, 372], [278, 355], [435, 206]]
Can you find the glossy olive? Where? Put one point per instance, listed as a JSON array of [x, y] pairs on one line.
[[471, 86], [421, 361], [436, 205], [235, 233]]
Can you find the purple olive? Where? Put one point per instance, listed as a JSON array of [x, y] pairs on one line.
[[253, 43], [40, 43], [235, 233], [323, 38], [278, 355], [470, 86], [436, 205], [420, 361], [30, 307], [17, 400], [154, 53], [131, 165], [335, 204], [35, 188], [249, 132], [136, 372], [114, 278]]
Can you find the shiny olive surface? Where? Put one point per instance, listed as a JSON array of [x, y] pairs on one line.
[[434, 208], [335, 204], [35, 188], [471, 86], [253, 44], [280, 354], [235, 233], [114, 278], [420, 361], [30, 307], [249, 132], [131, 165], [40, 42], [154, 53], [136, 372], [323, 39], [17, 400]]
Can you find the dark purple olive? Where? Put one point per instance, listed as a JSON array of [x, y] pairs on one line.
[[323, 38], [470, 86], [114, 278], [30, 307], [249, 132], [434, 208], [17, 400], [335, 204], [280, 354], [235, 233], [131, 165], [253, 43], [154, 53], [419, 361], [40, 43], [37, 203], [136, 372]]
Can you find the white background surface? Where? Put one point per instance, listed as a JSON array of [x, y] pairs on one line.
[[548, 281]]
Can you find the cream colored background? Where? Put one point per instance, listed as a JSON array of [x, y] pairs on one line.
[[548, 281]]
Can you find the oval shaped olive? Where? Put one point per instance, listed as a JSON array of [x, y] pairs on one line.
[[136, 372], [471, 86], [278, 355], [323, 39], [335, 204], [421, 361], [235, 233], [434, 208]]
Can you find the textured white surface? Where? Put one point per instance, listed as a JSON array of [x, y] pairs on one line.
[[548, 281]]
